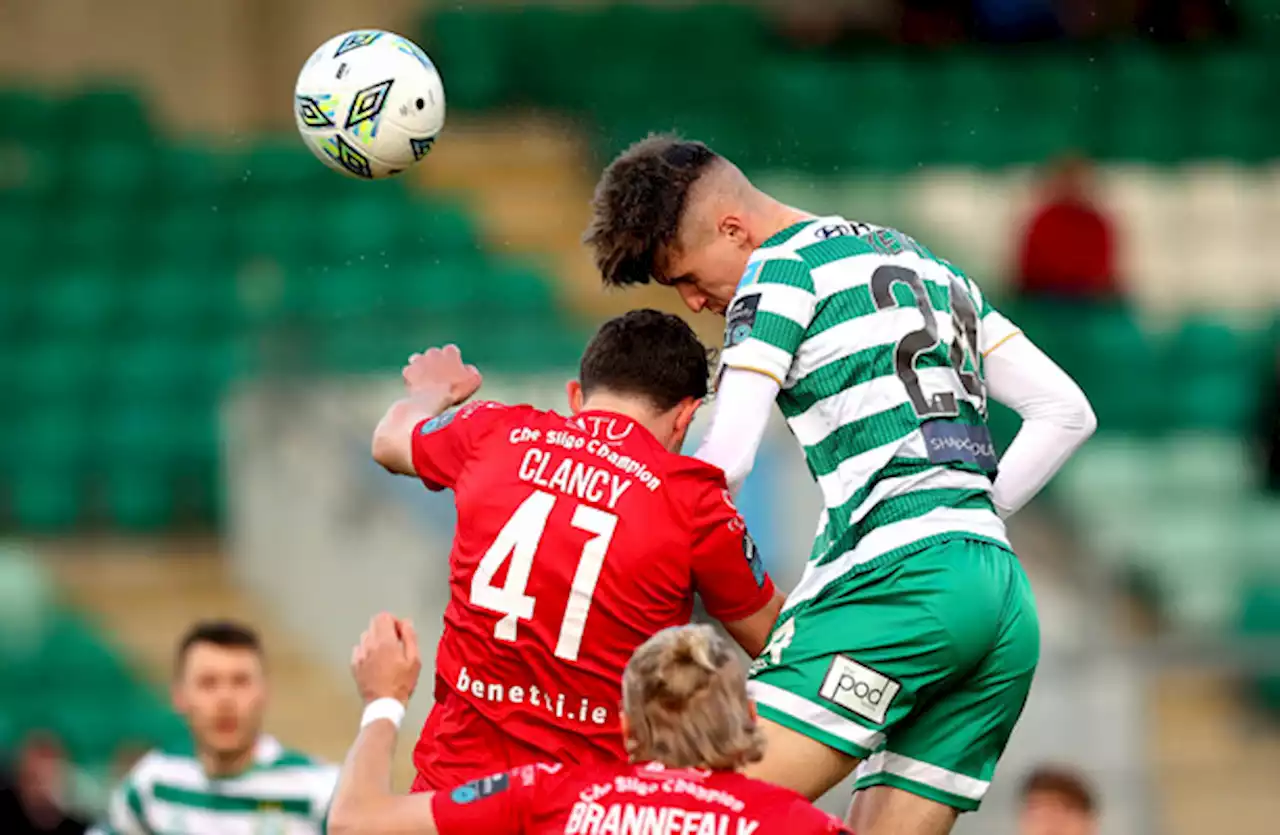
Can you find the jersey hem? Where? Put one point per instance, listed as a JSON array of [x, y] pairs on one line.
[[904, 551], [955, 801]]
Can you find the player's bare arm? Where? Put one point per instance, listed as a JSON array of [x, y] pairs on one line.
[[752, 632], [386, 666], [434, 380]]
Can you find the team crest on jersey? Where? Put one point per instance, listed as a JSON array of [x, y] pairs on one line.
[[741, 319], [480, 789], [439, 422]]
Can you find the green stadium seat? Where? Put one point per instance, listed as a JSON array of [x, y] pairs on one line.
[[46, 499], [477, 49], [518, 291], [114, 173], [83, 302], [139, 499], [29, 177], [357, 291], [357, 230], [177, 301], [195, 177], [284, 230], [143, 367], [104, 113], [438, 230], [53, 371], [442, 287], [28, 116], [93, 235], [195, 235]]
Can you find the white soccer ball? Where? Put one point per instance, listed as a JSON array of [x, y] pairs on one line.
[[369, 103]]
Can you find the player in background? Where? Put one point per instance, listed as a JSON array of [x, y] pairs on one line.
[[688, 727], [911, 639], [240, 781], [577, 538]]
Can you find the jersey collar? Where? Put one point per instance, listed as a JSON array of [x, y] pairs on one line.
[[609, 427]]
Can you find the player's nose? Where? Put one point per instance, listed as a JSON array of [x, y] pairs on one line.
[[693, 298]]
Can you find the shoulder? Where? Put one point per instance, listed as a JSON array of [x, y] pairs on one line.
[[693, 478], [302, 769], [477, 415], [161, 766]]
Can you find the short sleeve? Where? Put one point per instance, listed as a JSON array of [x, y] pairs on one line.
[[768, 317], [125, 815], [727, 570], [496, 805], [443, 445]]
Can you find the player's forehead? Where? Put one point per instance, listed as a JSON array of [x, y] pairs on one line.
[[679, 260], [208, 659]]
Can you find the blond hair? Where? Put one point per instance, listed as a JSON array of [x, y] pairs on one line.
[[684, 694]]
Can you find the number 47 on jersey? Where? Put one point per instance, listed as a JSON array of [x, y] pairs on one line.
[[518, 541]]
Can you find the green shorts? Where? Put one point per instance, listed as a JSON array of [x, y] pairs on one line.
[[920, 667]]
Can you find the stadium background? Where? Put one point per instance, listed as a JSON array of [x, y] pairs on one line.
[[199, 325]]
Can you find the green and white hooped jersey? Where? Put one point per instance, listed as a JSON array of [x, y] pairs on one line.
[[878, 345], [283, 793]]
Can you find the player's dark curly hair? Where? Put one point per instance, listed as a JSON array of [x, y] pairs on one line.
[[638, 204], [647, 353]]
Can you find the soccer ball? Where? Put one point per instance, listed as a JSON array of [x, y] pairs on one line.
[[369, 104]]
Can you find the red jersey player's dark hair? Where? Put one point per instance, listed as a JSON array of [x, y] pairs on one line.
[[646, 353], [684, 694]]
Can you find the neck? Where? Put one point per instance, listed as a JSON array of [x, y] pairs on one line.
[[641, 413], [776, 216], [226, 763]]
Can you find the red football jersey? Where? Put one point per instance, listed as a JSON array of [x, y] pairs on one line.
[[577, 539], [626, 798]]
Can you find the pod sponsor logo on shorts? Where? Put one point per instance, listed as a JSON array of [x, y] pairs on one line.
[[859, 689]]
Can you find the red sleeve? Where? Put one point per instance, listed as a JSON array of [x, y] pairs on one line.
[[497, 805], [443, 445], [727, 569]]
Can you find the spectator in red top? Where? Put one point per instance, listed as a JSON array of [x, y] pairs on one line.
[[1068, 251]]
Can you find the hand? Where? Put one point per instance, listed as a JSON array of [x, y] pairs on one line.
[[385, 663], [441, 371]]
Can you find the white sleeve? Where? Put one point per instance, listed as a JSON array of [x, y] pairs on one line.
[[743, 401], [1056, 418]]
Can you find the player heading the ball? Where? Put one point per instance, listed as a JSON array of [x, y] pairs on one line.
[[911, 639], [688, 727], [578, 537]]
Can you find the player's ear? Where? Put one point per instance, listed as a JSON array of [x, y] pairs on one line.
[[574, 391], [685, 413], [732, 227]]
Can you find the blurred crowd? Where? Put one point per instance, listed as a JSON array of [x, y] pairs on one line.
[[940, 22]]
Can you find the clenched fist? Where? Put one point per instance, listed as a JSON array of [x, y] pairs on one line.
[[385, 663]]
